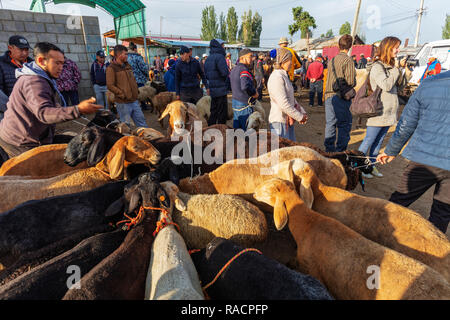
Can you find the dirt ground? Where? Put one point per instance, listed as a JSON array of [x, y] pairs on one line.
[[313, 132]]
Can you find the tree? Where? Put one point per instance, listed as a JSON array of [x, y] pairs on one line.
[[303, 21], [256, 29], [346, 28], [232, 25], [446, 28], [247, 28], [222, 27], [209, 24], [329, 33]]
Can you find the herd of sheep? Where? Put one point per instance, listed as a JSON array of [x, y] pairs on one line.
[[114, 204]]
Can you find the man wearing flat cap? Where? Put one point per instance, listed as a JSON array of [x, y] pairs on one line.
[[187, 74], [14, 58]]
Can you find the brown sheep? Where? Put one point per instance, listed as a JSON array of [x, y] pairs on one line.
[[41, 162], [384, 222], [182, 117], [160, 102], [342, 259]]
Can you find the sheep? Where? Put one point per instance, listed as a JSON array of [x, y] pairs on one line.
[[204, 107], [171, 274], [256, 121], [41, 162], [102, 118], [252, 276], [242, 176], [158, 85], [147, 134], [342, 259], [48, 281], [146, 94], [126, 151], [122, 274], [182, 115], [35, 224], [160, 102], [384, 222]]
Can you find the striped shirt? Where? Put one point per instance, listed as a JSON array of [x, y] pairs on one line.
[[345, 67]]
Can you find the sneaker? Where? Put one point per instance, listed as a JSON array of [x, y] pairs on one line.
[[376, 173], [367, 176]]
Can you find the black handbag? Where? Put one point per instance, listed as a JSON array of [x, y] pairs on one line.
[[341, 87]]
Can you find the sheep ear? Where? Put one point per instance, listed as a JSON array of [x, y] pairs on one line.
[[165, 112], [97, 151], [179, 204], [280, 214], [134, 201], [116, 158], [306, 192], [115, 208]]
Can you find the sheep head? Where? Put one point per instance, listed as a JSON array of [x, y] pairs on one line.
[[301, 174], [274, 192], [127, 151], [255, 121], [178, 111]]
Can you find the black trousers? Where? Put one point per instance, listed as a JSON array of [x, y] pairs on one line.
[[219, 111], [191, 95], [416, 180]]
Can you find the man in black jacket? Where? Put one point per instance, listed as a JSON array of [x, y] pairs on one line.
[[216, 71], [14, 58], [98, 78]]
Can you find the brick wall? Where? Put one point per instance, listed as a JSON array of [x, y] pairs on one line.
[[62, 30]]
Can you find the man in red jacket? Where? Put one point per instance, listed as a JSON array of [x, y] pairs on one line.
[[315, 76]]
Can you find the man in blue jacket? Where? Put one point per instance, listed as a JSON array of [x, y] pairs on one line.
[[169, 76], [425, 123], [216, 71], [187, 73], [243, 89], [98, 78]]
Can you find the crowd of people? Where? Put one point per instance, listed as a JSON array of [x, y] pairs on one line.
[[37, 94]]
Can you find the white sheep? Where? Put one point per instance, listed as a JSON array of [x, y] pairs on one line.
[[204, 107], [171, 272]]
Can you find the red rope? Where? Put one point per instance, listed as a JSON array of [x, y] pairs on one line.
[[129, 222]]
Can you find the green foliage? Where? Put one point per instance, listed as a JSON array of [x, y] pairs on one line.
[[446, 28], [346, 28], [222, 27], [256, 29], [329, 33], [247, 28], [209, 24], [303, 22], [232, 25]]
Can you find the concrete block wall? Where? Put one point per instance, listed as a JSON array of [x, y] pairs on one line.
[[79, 37]]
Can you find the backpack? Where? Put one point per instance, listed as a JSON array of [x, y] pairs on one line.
[[366, 104], [341, 87]]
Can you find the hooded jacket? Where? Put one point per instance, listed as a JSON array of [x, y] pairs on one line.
[[8, 73], [216, 70], [33, 110], [187, 75], [120, 81]]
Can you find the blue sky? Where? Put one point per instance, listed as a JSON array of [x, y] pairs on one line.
[[379, 18]]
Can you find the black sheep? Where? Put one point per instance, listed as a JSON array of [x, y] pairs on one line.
[[252, 276]]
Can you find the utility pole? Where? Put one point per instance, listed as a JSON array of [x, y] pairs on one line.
[[160, 25], [419, 20], [355, 23]]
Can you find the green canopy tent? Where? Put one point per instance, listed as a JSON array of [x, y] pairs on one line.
[[129, 15]]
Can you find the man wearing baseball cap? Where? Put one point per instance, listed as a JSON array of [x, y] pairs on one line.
[[187, 73], [243, 89], [283, 43], [14, 58], [98, 78]]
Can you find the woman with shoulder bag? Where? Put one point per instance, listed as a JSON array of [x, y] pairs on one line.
[[284, 110], [390, 76]]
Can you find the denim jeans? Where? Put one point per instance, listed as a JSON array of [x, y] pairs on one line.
[[373, 140], [128, 111], [316, 87], [279, 129], [338, 116], [240, 117], [100, 95]]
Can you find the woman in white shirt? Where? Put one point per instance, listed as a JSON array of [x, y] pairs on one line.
[[284, 110]]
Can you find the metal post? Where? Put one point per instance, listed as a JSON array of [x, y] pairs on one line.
[[145, 36], [416, 42], [355, 23]]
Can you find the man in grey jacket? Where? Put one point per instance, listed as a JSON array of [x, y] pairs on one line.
[[33, 109], [425, 123]]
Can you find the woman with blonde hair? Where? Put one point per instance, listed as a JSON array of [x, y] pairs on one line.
[[391, 76], [284, 110]]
